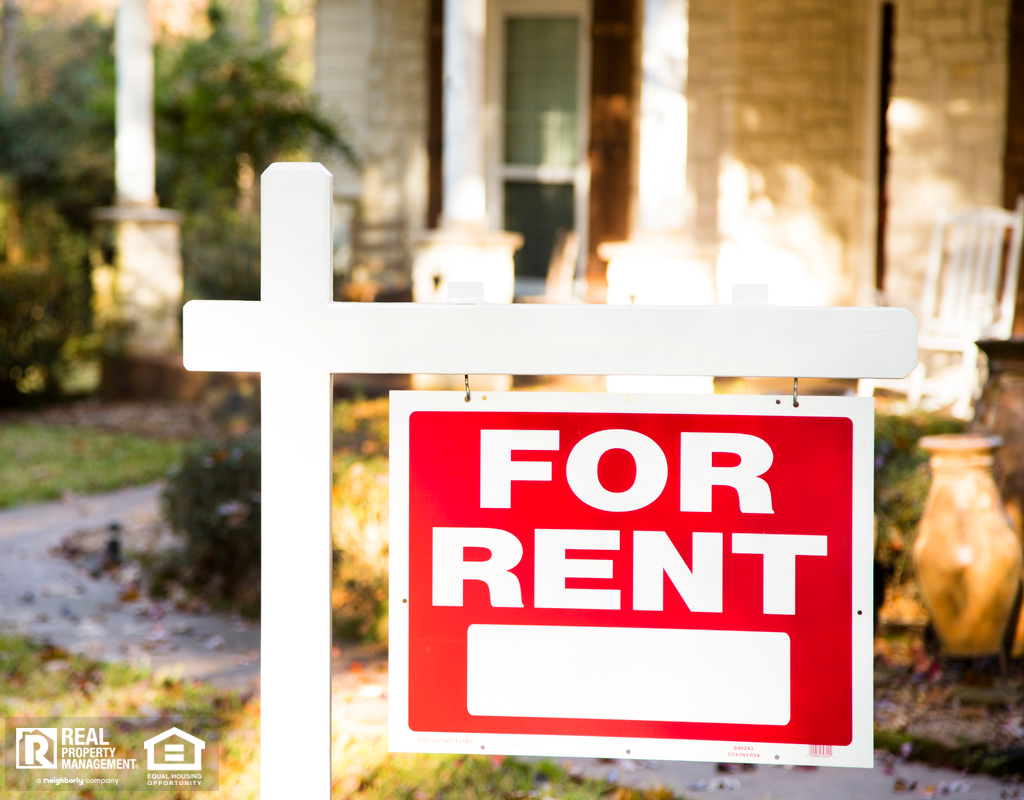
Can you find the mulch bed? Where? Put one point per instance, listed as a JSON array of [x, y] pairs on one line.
[[961, 713]]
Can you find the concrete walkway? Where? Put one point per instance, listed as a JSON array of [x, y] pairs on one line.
[[700, 780], [48, 599]]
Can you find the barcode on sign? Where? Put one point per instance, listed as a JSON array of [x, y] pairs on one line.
[[821, 750]]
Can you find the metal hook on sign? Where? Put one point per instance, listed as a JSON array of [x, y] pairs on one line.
[[467, 388], [795, 403]]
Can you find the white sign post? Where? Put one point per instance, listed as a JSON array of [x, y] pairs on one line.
[[296, 336]]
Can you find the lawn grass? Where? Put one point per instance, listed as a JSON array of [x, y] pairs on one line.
[[46, 683], [479, 777], [42, 462]]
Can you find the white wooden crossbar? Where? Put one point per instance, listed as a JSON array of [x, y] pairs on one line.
[[727, 341], [296, 337]]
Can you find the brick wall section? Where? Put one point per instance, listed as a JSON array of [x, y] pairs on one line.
[[777, 92], [372, 68], [711, 92], [947, 122], [397, 115]]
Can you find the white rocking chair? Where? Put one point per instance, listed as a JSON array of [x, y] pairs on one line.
[[970, 290]]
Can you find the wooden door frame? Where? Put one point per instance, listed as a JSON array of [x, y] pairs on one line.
[[1013, 152], [615, 50]]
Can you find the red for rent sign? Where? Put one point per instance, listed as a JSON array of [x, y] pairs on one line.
[[647, 577]]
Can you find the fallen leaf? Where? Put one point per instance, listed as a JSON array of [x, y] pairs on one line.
[[52, 652]]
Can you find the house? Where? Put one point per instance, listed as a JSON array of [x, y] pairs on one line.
[[694, 144], [166, 755]]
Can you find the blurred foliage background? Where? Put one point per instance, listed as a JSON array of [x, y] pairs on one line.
[[56, 166], [226, 105], [226, 110], [359, 521]]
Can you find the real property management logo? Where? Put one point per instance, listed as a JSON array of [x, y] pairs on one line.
[[67, 748], [36, 748]]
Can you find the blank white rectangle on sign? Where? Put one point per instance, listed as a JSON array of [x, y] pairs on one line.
[[651, 674]]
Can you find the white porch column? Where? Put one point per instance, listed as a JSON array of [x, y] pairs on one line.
[[661, 263], [135, 149], [663, 203], [464, 69], [464, 249], [137, 300]]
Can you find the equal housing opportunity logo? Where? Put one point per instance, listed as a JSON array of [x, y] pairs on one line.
[[180, 750]]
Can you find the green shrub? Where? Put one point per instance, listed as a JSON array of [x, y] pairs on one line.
[[213, 500], [42, 320], [902, 481]]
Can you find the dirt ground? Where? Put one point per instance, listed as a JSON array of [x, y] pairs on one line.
[[943, 709]]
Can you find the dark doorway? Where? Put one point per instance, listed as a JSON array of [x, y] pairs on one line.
[[888, 32], [538, 211]]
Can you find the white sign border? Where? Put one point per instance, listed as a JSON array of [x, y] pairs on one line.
[[401, 738]]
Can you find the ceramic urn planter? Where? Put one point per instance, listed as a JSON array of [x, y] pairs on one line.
[[966, 555]]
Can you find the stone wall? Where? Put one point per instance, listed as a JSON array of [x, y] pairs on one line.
[[947, 122], [776, 140]]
